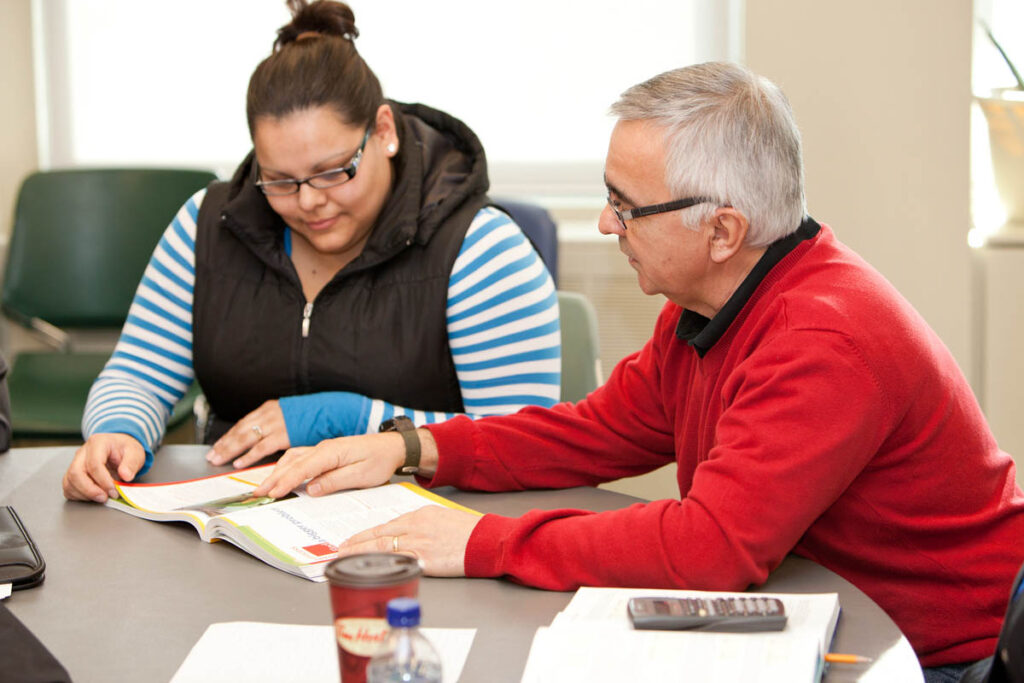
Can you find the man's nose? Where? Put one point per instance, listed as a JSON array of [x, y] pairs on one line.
[[608, 223]]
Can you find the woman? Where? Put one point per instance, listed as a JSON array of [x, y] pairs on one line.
[[351, 265]]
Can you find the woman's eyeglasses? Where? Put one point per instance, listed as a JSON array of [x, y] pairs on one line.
[[321, 181]]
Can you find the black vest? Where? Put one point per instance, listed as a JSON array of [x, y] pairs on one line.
[[378, 328]]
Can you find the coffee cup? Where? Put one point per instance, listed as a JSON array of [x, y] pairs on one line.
[[361, 586]]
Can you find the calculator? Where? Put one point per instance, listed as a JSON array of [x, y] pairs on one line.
[[739, 614]]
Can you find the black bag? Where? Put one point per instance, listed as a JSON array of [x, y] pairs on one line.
[[25, 659], [1007, 665], [20, 562]]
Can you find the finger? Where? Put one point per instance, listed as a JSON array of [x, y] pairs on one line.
[[286, 475], [261, 449], [89, 477], [399, 526], [379, 544], [367, 535], [132, 457], [96, 468], [265, 422], [78, 485], [358, 475], [239, 439]]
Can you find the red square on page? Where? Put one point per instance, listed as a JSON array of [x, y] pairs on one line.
[[320, 549]]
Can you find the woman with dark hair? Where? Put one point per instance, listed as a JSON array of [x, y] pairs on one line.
[[351, 271]]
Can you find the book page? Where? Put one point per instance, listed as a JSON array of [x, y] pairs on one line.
[[593, 652], [306, 531], [198, 499]]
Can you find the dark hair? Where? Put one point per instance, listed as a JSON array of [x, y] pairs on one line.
[[315, 63]]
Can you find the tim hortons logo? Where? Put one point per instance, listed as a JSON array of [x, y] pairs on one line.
[[361, 636]]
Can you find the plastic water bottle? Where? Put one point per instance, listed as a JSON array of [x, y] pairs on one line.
[[407, 656]]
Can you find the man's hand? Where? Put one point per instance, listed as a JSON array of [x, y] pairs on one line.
[[437, 535], [104, 456], [254, 437], [349, 462]]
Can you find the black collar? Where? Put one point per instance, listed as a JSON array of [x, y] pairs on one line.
[[702, 333]]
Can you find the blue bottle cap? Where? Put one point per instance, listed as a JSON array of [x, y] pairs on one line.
[[403, 612]]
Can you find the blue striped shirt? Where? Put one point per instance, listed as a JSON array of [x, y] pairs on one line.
[[503, 330]]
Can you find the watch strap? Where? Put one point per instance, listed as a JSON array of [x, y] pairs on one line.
[[404, 426]]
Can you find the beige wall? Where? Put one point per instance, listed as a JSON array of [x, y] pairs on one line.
[[17, 115], [881, 92]]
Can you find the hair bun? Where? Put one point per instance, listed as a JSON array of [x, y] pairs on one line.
[[319, 18]]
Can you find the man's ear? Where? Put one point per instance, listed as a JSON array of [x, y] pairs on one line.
[[729, 232]]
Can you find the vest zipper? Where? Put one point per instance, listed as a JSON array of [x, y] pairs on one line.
[[307, 311]]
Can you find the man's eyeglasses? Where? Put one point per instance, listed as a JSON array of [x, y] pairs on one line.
[[630, 214], [321, 181]]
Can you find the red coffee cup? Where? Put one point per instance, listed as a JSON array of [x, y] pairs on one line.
[[361, 586]]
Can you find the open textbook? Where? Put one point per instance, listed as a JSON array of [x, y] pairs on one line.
[[593, 640], [297, 534]]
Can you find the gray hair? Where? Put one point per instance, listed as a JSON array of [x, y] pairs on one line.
[[731, 136]]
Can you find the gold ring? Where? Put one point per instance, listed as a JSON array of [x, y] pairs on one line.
[[258, 431], [394, 544]]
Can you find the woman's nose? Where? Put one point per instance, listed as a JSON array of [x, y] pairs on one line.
[[310, 197]]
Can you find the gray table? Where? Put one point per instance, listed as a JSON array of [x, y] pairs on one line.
[[125, 599]]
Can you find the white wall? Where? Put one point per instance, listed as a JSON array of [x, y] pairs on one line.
[[881, 92]]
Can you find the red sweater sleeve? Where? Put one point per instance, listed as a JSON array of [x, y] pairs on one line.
[[620, 430], [746, 500]]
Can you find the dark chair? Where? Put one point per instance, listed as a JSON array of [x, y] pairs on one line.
[[581, 358], [1007, 665], [80, 242], [539, 228]]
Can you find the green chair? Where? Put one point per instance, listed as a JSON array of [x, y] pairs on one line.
[[80, 243], [581, 360]]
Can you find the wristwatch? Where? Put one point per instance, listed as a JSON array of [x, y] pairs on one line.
[[404, 426]]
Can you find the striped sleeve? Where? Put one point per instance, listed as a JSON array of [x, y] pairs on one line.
[[151, 366], [503, 330]]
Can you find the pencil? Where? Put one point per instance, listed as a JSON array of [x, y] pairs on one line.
[[836, 658]]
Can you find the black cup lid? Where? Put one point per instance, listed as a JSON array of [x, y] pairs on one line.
[[373, 569]]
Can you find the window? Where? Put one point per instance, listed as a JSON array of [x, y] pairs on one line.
[[128, 82]]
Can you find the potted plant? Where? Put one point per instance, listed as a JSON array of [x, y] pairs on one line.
[[1004, 111]]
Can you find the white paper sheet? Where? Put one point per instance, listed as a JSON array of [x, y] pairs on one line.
[[593, 640], [258, 652]]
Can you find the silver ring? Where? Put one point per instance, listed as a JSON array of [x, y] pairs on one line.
[[258, 431], [394, 544]]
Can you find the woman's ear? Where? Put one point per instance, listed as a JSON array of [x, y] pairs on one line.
[[385, 131], [729, 232]]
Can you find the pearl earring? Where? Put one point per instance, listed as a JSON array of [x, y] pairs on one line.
[[392, 148]]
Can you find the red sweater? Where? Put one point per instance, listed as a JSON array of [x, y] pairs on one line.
[[828, 420]]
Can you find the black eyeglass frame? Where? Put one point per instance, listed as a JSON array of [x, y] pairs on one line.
[[653, 209], [317, 179]]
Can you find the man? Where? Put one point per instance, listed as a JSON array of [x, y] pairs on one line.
[[808, 407]]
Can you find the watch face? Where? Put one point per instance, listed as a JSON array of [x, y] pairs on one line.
[[396, 424]]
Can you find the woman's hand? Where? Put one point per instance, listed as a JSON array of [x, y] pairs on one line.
[[349, 462], [104, 456], [437, 535], [257, 435]]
